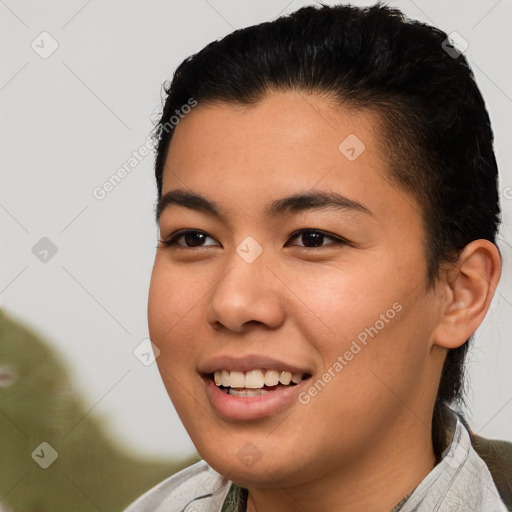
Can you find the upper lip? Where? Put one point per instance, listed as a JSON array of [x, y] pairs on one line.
[[247, 363]]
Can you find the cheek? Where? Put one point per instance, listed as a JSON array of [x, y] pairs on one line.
[[170, 314], [374, 324], [173, 311], [171, 300], [348, 304]]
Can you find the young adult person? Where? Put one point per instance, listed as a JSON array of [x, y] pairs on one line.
[[328, 210]]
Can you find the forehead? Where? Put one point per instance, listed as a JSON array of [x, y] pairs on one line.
[[286, 143], [281, 127]]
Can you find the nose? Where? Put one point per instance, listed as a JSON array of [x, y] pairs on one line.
[[247, 294]]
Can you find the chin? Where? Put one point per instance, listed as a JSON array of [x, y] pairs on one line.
[[249, 466]]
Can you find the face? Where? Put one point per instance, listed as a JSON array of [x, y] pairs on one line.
[[328, 289]]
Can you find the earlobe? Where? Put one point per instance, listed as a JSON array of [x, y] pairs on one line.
[[470, 284]]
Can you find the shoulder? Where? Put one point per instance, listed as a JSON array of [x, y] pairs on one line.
[[497, 456], [198, 483]]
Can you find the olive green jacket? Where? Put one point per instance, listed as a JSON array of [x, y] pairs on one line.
[[497, 455]]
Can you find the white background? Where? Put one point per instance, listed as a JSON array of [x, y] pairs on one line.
[[70, 121]]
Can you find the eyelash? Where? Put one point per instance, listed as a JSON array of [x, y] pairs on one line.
[[171, 241]]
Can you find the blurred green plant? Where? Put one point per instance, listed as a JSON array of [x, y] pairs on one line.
[[38, 404]]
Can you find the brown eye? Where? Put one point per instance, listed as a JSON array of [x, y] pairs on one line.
[[191, 238], [311, 238]]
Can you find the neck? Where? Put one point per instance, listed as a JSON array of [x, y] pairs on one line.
[[378, 480]]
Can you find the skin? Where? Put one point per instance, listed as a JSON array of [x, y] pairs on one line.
[[369, 427]]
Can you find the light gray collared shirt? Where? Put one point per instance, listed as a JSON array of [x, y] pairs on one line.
[[461, 482]]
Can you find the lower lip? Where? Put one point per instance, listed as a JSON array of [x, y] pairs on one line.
[[251, 407]]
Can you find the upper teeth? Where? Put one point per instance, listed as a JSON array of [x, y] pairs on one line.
[[255, 379]]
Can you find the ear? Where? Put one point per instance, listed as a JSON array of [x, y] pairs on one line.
[[469, 285]]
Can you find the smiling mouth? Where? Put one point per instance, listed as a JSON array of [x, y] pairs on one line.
[[255, 382]]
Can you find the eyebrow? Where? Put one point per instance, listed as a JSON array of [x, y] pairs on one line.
[[277, 208]]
